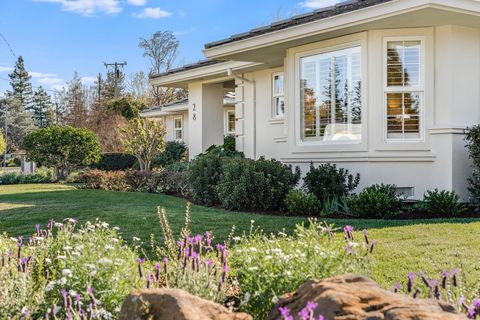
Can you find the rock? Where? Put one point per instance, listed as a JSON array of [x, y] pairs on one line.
[[173, 304], [355, 298]]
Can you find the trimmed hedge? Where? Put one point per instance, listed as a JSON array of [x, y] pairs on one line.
[[114, 161]]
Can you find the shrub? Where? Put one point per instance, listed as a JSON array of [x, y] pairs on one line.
[[229, 143], [472, 138], [168, 182], [377, 201], [203, 177], [261, 184], [62, 147], [42, 175], [115, 161], [93, 179], [137, 180], [175, 151], [115, 181], [268, 266], [442, 203], [301, 204], [327, 182]]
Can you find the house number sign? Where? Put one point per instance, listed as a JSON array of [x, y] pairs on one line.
[[194, 115]]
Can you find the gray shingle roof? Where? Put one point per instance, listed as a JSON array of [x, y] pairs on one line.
[[323, 13]]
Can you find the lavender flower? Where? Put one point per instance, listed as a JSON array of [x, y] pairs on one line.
[[348, 232], [445, 275], [285, 313], [397, 287], [158, 266], [365, 235], [454, 277], [140, 261], [150, 279], [411, 278]]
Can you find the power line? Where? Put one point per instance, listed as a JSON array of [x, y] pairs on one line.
[[8, 45]]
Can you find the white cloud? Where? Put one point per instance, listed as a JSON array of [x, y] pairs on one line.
[[5, 69], [317, 4], [184, 32], [50, 82], [88, 7], [137, 2], [153, 13], [88, 81], [41, 74]]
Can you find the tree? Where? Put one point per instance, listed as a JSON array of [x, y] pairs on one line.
[[19, 122], [21, 86], [144, 139], [3, 147], [62, 147], [161, 49], [127, 107], [77, 102], [42, 109]]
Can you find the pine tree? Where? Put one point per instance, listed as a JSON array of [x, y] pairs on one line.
[[21, 85], [77, 103], [42, 108], [14, 108]]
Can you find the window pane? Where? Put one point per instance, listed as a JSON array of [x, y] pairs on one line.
[[278, 84], [178, 134], [403, 63], [331, 95], [231, 122], [178, 123], [403, 115], [279, 106]]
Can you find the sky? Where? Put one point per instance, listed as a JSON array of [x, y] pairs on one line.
[[58, 37]]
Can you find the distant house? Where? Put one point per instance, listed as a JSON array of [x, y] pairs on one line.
[[381, 87]]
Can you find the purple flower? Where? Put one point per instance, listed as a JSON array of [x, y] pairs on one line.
[[150, 279], [349, 249], [304, 314], [311, 305], [397, 287], [445, 275], [158, 266], [411, 278], [209, 262], [37, 230], [365, 235], [471, 314], [25, 312], [140, 260], [64, 297], [284, 312], [454, 277], [476, 305], [348, 232]]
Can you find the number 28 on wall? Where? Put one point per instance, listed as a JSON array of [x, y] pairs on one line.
[[194, 109]]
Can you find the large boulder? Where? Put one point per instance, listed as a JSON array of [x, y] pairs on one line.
[[355, 298], [174, 304]]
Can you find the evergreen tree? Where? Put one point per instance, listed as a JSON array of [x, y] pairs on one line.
[[77, 103], [19, 122], [21, 85], [42, 108]]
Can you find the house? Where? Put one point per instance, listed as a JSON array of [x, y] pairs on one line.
[[380, 87]]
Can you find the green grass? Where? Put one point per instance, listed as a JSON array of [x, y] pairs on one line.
[[408, 245]]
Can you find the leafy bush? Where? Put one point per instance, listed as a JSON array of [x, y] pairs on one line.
[[229, 143], [168, 182], [301, 204], [62, 147], [377, 201], [115, 161], [327, 182], [267, 266], [93, 179], [261, 184], [472, 137], [442, 203], [203, 177], [175, 151], [42, 175]]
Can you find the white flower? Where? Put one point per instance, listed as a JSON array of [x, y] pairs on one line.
[[62, 281], [49, 287], [67, 273], [58, 224], [48, 260], [104, 225], [135, 239], [275, 299], [90, 266], [253, 249], [76, 253], [118, 262], [67, 248], [80, 247], [72, 293], [39, 238], [92, 273], [108, 247], [252, 221], [116, 228], [236, 238], [105, 261], [268, 257], [246, 298], [252, 268], [114, 240], [61, 257]]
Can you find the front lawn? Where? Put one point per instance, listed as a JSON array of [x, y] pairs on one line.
[[408, 245]]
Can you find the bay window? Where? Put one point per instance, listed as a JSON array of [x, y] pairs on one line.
[[404, 89], [330, 96]]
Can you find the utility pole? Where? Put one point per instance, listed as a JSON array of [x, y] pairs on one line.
[[99, 80], [117, 66], [5, 114]]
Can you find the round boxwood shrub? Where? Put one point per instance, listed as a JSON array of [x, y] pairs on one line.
[[327, 182], [259, 185], [203, 177], [302, 204], [114, 161], [377, 201], [442, 203]]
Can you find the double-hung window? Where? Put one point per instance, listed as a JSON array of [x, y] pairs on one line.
[[404, 89], [230, 122], [331, 96], [178, 128], [278, 96]]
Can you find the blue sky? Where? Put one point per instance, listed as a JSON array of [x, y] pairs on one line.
[[58, 37]]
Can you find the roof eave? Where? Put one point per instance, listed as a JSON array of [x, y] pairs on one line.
[[335, 23]]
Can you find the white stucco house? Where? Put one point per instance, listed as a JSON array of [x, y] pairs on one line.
[[381, 87]]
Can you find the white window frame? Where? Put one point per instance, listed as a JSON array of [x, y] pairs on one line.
[[329, 50], [227, 112], [275, 115], [175, 130], [402, 89]]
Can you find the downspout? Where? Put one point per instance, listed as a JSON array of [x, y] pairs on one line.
[[254, 86]]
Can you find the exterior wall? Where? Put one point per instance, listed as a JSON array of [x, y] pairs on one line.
[[169, 123], [452, 102]]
